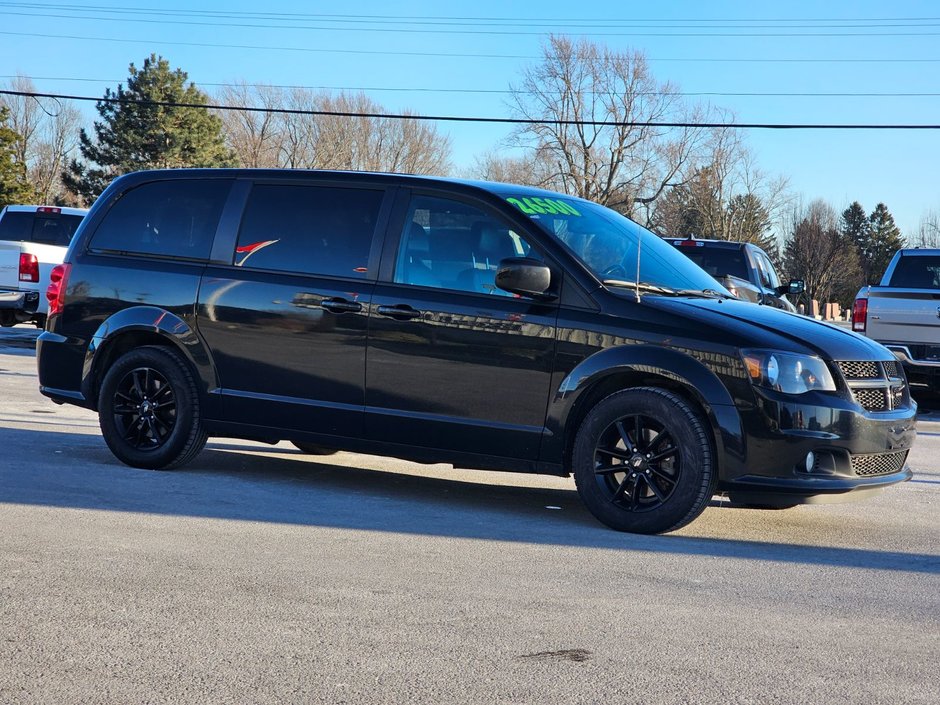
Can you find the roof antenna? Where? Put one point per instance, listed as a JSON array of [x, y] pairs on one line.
[[639, 248]]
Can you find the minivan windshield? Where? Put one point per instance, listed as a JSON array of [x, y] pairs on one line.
[[608, 244]]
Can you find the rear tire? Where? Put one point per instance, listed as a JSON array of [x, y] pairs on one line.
[[312, 448], [148, 409], [643, 461]]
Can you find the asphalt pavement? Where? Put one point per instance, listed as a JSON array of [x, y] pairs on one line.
[[260, 575]]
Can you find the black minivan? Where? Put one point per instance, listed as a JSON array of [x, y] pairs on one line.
[[480, 324]]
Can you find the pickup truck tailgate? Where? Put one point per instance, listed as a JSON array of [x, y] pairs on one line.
[[9, 265], [904, 315]]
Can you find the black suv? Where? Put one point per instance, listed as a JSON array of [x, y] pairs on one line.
[[485, 325], [742, 268]]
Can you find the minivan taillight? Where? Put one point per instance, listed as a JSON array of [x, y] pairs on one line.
[[29, 268], [55, 292], [860, 315]]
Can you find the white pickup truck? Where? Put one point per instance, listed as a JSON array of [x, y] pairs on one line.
[[33, 239], [903, 313]]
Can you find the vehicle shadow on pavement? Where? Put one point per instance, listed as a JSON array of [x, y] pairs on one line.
[[306, 490]]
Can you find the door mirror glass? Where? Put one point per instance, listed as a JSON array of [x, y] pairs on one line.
[[524, 276], [795, 287]]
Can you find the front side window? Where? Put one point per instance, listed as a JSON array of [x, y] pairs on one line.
[[611, 245], [320, 230], [768, 275], [173, 218], [449, 244]]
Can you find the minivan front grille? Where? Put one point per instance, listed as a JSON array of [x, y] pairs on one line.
[[871, 399], [878, 463], [875, 386], [860, 370]]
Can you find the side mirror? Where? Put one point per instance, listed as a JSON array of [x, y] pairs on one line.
[[527, 277], [795, 287]]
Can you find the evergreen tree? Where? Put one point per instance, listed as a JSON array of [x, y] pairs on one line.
[[749, 221], [134, 134], [14, 187], [855, 229], [884, 240], [855, 226]]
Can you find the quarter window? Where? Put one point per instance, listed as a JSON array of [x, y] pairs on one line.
[[309, 229], [452, 245], [175, 218]]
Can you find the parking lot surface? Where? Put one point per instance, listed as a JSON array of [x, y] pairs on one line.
[[258, 574]]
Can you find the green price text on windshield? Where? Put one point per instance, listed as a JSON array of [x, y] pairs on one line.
[[536, 206]]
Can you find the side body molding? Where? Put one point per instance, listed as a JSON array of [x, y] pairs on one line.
[[148, 323], [647, 365]]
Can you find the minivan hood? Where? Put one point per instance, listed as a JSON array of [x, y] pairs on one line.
[[767, 327]]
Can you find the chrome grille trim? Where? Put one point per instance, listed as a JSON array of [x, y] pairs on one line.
[[878, 463]]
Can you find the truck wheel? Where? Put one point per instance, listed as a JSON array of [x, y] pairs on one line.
[[312, 448], [643, 461], [148, 409]]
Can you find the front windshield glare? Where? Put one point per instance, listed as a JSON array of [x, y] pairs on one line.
[[606, 242]]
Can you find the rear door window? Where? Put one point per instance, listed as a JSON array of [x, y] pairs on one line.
[[322, 230], [44, 228], [718, 261], [917, 272], [173, 218]]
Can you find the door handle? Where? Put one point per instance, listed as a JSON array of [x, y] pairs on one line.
[[399, 311], [338, 305]]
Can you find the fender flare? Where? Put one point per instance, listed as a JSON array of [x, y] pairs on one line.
[[150, 320], [684, 368]]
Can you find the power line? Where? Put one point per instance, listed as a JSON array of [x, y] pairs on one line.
[[457, 55], [495, 91], [467, 20], [491, 32], [495, 120]]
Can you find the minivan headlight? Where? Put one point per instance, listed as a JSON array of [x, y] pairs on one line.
[[786, 372]]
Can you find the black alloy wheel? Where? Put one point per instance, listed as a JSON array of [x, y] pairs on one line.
[[144, 408], [636, 463], [643, 461], [148, 409]]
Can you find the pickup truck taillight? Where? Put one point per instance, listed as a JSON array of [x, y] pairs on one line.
[[860, 315], [29, 268], [55, 292]]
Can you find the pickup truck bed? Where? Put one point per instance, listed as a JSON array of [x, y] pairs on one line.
[[903, 313]]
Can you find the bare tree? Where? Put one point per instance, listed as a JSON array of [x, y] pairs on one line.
[[253, 136], [928, 230], [821, 255], [528, 169], [48, 134], [357, 139], [624, 162], [729, 198]]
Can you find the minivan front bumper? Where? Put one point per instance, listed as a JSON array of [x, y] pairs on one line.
[[823, 449]]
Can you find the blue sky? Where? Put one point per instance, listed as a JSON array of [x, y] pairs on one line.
[[738, 52]]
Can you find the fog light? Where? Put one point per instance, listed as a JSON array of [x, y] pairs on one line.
[[810, 461]]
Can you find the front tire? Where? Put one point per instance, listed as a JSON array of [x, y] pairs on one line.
[[643, 461], [148, 409]]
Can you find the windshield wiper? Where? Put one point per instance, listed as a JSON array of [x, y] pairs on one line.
[[642, 285], [703, 293]]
